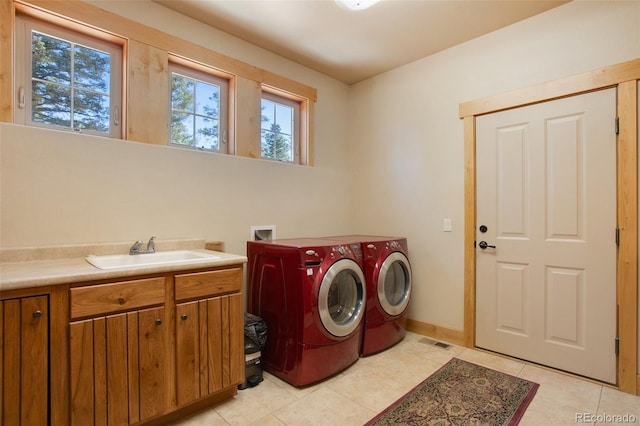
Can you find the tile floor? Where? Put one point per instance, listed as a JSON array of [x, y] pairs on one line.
[[373, 383]]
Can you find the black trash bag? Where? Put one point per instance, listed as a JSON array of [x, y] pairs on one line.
[[255, 333], [255, 338]]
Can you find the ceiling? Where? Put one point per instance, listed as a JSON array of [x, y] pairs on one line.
[[351, 46]]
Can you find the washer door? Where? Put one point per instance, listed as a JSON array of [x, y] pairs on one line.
[[394, 283], [341, 298]]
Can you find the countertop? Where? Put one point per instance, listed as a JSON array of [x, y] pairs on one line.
[[64, 270]]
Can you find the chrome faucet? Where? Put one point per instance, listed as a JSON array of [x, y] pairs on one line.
[[136, 248]]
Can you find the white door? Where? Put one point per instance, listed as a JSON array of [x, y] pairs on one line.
[[546, 193]]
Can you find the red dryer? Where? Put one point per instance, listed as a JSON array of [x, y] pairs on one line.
[[388, 277], [311, 294]]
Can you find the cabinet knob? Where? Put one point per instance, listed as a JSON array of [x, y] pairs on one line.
[[121, 301], [184, 317], [158, 321], [37, 314]]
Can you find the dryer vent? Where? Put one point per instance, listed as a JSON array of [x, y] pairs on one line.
[[263, 233], [432, 342]]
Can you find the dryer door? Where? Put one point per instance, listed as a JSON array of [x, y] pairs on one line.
[[341, 298], [394, 283]]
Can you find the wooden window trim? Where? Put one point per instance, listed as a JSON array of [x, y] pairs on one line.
[[625, 77], [208, 75], [305, 139], [75, 14], [96, 40], [85, 14]]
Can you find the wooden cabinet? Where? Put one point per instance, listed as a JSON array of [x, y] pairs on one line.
[[24, 361], [209, 333], [147, 347], [118, 368]]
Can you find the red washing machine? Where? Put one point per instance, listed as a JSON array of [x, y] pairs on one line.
[[388, 276], [311, 294]]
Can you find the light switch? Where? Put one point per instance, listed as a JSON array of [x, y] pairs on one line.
[[447, 224]]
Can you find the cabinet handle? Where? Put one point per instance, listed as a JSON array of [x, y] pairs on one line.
[[184, 317], [37, 314], [158, 321]]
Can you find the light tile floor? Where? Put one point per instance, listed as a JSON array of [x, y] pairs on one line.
[[373, 383]]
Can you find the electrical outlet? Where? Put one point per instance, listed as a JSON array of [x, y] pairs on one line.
[[447, 225]]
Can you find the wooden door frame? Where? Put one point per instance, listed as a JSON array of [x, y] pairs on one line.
[[625, 78]]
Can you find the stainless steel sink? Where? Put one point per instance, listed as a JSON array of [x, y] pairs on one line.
[[120, 261]]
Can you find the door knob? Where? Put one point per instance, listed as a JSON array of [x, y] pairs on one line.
[[483, 245]]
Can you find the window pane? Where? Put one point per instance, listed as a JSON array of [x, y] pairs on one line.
[[50, 59], [207, 99], [207, 133], [196, 110], [284, 149], [277, 130], [91, 111], [268, 114], [70, 84], [182, 129], [277, 146], [284, 117], [182, 93], [51, 104], [91, 69]]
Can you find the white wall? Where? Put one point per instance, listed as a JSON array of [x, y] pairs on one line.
[[407, 141], [62, 188]]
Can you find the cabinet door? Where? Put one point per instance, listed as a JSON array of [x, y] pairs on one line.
[[210, 346], [24, 360], [118, 368], [188, 353], [153, 368]]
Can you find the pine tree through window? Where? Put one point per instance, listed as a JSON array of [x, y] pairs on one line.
[[198, 109], [67, 80], [278, 128]]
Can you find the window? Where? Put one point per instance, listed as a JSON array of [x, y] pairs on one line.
[[280, 128], [67, 80], [198, 109]]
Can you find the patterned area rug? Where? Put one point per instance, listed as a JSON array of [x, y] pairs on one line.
[[462, 393]]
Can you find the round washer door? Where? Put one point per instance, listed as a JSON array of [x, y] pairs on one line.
[[394, 283], [341, 298]]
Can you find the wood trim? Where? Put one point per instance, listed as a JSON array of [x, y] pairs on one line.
[[7, 28], [85, 13], [248, 100], [2, 346], [624, 76], [148, 74], [441, 333], [587, 82], [59, 335], [627, 276], [309, 125], [147, 52], [469, 232], [305, 143]]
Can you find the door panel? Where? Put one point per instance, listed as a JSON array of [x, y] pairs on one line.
[[546, 191], [187, 353], [24, 361]]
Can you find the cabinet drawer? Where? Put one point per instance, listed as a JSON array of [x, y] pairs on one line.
[[113, 297], [203, 284]]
